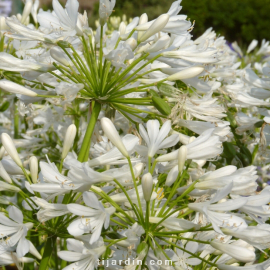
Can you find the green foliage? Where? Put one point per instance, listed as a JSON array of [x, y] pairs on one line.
[[241, 20]]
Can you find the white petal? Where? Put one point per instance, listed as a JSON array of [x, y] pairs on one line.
[[15, 214]]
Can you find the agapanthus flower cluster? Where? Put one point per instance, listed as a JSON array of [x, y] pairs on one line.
[[132, 145]]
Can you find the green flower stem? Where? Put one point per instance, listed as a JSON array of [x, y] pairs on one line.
[[49, 96], [164, 218], [187, 191], [61, 165], [175, 186], [90, 61], [49, 246], [123, 219], [153, 167], [162, 250], [127, 70], [82, 65], [160, 234], [147, 215], [84, 152], [131, 203], [135, 184], [138, 70], [193, 255], [115, 205], [57, 76], [26, 175], [100, 50], [16, 121], [119, 223], [116, 241]]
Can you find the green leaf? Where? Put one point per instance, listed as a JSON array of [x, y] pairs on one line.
[[231, 119], [259, 124], [161, 105], [247, 153], [4, 106], [229, 150]]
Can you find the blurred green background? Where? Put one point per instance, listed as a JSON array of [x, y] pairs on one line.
[[240, 20]]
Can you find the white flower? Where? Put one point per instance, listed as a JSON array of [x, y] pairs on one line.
[[49, 210], [182, 258], [93, 217], [155, 138], [8, 258], [215, 212], [105, 10], [16, 230], [85, 256], [239, 253]]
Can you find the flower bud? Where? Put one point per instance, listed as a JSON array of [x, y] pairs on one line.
[[122, 28], [156, 27], [182, 156], [10, 148], [112, 134], [58, 55], [15, 88], [33, 251], [7, 187], [33, 164], [147, 186], [26, 11], [239, 253], [2, 152], [171, 177], [161, 105], [186, 74], [69, 140], [168, 157], [3, 25], [143, 20], [4, 174]]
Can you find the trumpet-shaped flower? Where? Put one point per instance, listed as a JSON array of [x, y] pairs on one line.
[[93, 217], [155, 138], [15, 230]]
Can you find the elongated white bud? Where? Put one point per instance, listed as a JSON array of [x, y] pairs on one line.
[[186, 74], [171, 177], [10, 148], [7, 187], [4, 174], [168, 157], [182, 156], [122, 28], [69, 140], [3, 25], [34, 251], [2, 152], [156, 27], [26, 11], [58, 55], [33, 164], [239, 253], [112, 134], [143, 20], [15, 88], [147, 186]]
